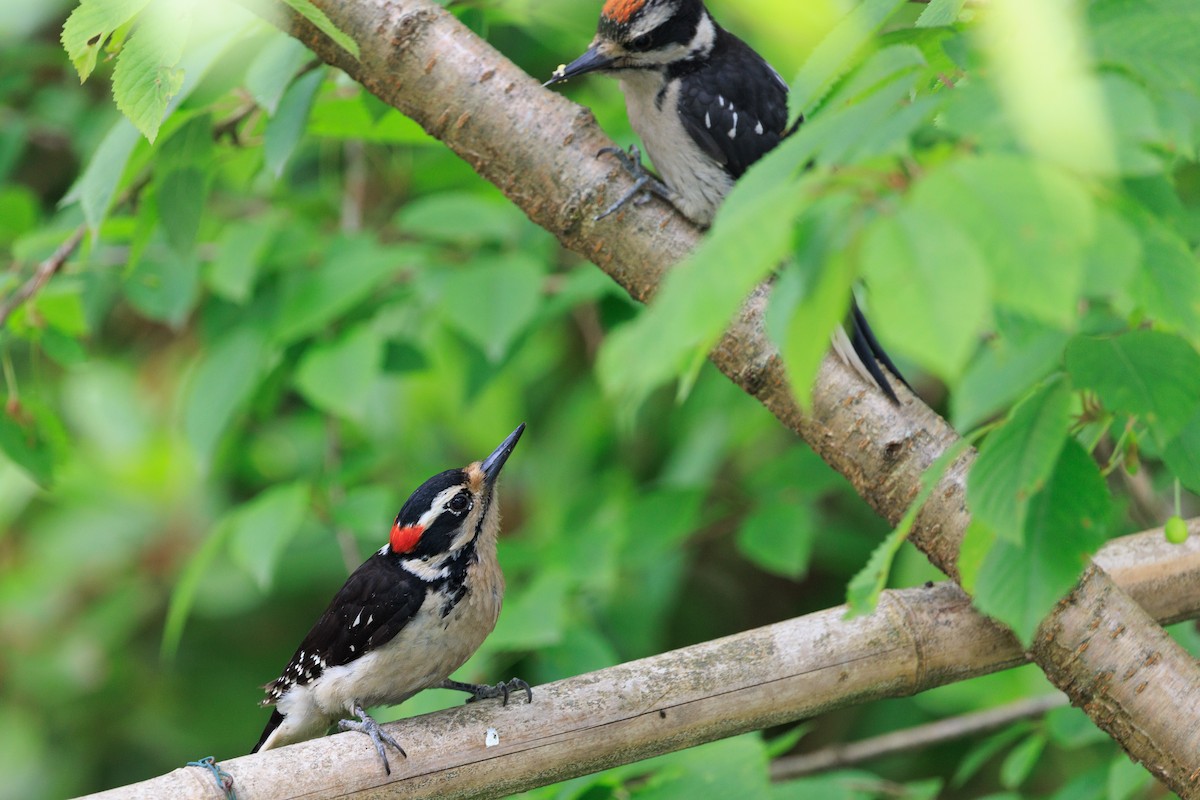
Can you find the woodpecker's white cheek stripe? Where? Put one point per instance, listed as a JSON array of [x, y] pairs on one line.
[[704, 38]]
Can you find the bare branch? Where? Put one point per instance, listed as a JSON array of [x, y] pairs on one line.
[[918, 639], [915, 738], [41, 275]]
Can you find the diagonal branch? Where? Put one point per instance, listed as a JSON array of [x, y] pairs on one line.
[[41, 274], [918, 639], [539, 148]]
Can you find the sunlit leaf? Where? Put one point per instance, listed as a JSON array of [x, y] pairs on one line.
[[260, 529]]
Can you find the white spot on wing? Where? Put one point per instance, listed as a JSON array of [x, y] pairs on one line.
[[733, 128], [707, 120], [721, 100], [357, 619], [758, 127]]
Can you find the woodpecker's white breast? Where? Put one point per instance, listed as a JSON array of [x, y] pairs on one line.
[[421, 655], [698, 181]]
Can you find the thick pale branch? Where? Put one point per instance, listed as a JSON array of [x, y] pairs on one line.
[[918, 639], [539, 149]]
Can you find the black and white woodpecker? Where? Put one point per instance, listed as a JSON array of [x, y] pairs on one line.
[[706, 106], [407, 618]]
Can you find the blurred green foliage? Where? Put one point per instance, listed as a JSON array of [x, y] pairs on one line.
[[293, 305]]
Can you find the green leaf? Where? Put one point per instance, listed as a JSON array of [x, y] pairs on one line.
[[1004, 368], [1111, 261], [1148, 373], [183, 595], [1021, 216], [353, 268], [534, 616], [1168, 284], [778, 537], [25, 444], [272, 70], [1182, 455], [1066, 522], [147, 75], [240, 253], [831, 58], [1021, 761], [89, 26], [260, 529], [94, 189], [338, 377], [465, 219], [286, 128], [317, 17], [181, 197], [1126, 778], [940, 12], [1153, 39], [983, 752], [862, 593], [734, 767], [223, 380], [1016, 460], [699, 296], [492, 300], [929, 289], [164, 288]]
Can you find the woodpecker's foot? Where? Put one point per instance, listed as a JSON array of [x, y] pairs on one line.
[[481, 691], [644, 184], [378, 735]]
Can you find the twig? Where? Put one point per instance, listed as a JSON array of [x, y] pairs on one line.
[[43, 273], [915, 738]]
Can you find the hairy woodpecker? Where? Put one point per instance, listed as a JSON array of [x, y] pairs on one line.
[[706, 106], [407, 618]]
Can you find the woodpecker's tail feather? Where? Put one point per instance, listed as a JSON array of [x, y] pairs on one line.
[[272, 724], [862, 351]]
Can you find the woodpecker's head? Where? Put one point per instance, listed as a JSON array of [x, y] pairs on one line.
[[644, 34], [450, 511]]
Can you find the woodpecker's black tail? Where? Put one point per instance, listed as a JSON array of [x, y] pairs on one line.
[[272, 724], [871, 353]]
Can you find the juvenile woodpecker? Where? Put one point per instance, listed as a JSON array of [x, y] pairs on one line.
[[407, 618], [706, 106]]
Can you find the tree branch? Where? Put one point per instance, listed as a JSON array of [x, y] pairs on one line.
[[43, 273], [915, 738], [539, 149], [917, 640]]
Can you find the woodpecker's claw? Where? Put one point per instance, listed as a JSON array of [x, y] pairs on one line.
[[378, 735], [644, 184], [481, 691]]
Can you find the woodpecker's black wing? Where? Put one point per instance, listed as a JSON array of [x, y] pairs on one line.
[[733, 104], [374, 604]]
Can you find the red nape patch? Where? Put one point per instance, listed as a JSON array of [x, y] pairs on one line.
[[405, 539], [621, 10]]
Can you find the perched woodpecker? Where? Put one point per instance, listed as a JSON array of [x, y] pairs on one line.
[[407, 618], [706, 106]]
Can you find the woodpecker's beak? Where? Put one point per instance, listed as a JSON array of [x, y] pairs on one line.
[[594, 58], [492, 465]]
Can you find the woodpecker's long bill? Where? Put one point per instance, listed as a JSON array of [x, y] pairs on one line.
[[407, 618], [706, 106]]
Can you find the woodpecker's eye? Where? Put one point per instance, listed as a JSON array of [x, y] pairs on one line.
[[640, 43], [458, 504]]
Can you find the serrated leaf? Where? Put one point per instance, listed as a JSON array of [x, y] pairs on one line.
[[492, 300], [1021, 216], [147, 75], [337, 377], [223, 380], [1151, 374], [1168, 283], [286, 128], [90, 24], [778, 537], [317, 17], [1152, 39], [260, 529], [240, 252], [1017, 459], [181, 196], [1066, 522], [1182, 455], [940, 12], [929, 288]]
